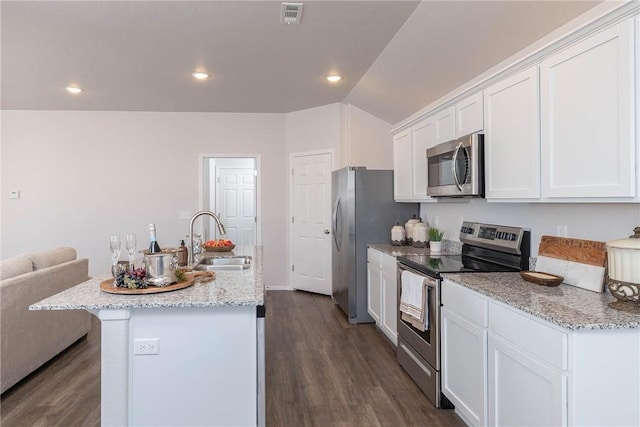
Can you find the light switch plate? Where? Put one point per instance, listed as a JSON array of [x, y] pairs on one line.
[[15, 194]]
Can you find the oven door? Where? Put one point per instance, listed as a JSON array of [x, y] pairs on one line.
[[425, 343]]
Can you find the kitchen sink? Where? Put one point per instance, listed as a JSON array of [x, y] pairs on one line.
[[223, 263]]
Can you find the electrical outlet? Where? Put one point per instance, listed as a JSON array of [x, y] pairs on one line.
[[184, 215], [146, 346], [561, 231]]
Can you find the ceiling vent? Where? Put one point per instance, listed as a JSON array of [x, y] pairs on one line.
[[291, 13]]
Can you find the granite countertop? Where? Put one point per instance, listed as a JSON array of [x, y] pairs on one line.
[[230, 288], [565, 305], [448, 248]]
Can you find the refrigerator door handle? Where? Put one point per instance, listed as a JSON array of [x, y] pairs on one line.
[[335, 223]]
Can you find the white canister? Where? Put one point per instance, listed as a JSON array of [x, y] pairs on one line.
[[624, 258], [408, 228], [420, 235], [397, 235]]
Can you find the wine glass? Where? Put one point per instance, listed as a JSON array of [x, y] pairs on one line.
[[131, 248], [114, 247]]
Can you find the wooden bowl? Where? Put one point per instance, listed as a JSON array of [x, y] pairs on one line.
[[218, 248], [541, 278]]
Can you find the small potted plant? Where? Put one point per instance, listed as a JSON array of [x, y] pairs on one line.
[[435, 239]]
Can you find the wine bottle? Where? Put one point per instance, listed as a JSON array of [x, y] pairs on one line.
[[153, 244]]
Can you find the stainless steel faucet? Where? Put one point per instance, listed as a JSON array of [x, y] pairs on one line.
[[221, 228]]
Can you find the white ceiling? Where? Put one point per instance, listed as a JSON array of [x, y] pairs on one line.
[[396, 56]]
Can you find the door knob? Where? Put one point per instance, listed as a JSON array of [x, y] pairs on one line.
[[326, 231]]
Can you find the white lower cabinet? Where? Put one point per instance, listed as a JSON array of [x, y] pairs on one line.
[[374, 282], [464, 352], [524, 391], [527, 370], [382, 300], [504, 367], [389, 285]]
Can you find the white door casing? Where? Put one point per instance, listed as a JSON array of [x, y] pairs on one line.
[[311, 222], [236, 195]]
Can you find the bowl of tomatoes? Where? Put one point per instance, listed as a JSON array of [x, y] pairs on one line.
[[220, 245]]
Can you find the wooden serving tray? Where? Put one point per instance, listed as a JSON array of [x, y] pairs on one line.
[[107, 285], [540, 278]]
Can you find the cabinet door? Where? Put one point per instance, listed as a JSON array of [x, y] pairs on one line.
[[389, 286], [523, 391], [444, 124], [512, 137], [402, 165], [374, 282], [587, 104], [469, 115], [423, 138], [464, 363]]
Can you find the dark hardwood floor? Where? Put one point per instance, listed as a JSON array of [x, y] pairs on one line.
[[320, 371]]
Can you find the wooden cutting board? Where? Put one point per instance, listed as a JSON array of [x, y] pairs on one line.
[[582, 263]]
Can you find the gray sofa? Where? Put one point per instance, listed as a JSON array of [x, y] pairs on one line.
[[31, 338]]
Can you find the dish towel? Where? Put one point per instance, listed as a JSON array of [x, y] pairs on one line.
[[413, 300]]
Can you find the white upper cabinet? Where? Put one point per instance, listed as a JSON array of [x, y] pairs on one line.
[[461, 119], [410, 162], [402, 166], [444, 124], [469, 115], [587, 117], [512, 137], [423, 137]]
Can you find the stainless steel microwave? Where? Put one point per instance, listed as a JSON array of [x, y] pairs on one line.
[[456, 168]]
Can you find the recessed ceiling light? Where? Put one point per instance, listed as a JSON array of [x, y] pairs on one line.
[[333, 78], [73, 89], [200, 75]]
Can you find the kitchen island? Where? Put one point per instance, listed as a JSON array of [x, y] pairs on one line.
[[193, 356]]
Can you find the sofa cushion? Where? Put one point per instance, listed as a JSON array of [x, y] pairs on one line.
[[15, 266], [53, 257]]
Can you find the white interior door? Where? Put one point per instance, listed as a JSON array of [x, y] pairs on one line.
[[311, 223], [236, 202]]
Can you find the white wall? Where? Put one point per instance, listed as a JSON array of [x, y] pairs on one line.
[[602, 222], [314, 129], [369, 141], [86, 175]]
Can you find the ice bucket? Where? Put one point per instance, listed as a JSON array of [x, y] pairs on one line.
[[161, 267]]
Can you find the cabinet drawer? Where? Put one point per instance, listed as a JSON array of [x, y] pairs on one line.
[[464, 302], [531, 335], [373, 257]]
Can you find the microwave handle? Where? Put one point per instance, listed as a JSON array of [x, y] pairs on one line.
[[454, 168]]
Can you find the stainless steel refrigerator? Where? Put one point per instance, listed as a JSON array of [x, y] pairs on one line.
[[363, 212]]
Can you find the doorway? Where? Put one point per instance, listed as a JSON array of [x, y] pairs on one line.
[[230, 189]]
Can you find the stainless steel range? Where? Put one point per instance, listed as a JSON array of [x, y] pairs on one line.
[[486, 248]]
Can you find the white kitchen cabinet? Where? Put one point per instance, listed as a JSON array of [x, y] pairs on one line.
[[587, 117], [464, 352], [374, 283], [444, 123], [423, 137], [512, 137], [532, 372], [389, 323], [382, 300], [527, 370], [402, 158], [469, 115], [523, 391], [410, 162]]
